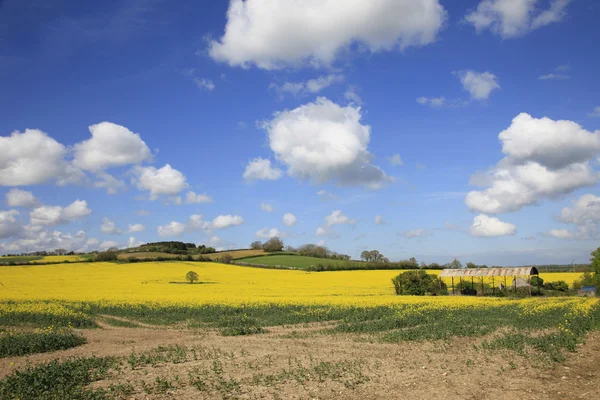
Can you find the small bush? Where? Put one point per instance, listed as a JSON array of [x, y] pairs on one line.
[[419, 283], [226, 259], [560, 286], [107, 256], [468, 291], [22, 343]]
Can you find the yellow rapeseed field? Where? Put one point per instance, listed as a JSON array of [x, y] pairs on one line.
[[58, 259], [219, 284]]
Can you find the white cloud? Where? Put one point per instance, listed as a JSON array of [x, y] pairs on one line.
[[76, 210], [21, 198], [205, 84], [379, 220], [226, 221], [351, 94], [544, 159], [289, 219], [325, 195], [135, 228], [561, 233], [108, 182], [335, 218], [396, 160], [108, 244], [165, 180], [595, 112], [194, 198], [132, 242], [311, 86], [321, 243], [322, 142], [266, 207], [260, 169], [173, 228], [274, 34], [478, 84], [196, 222], [415, 233], [553, 76], [267, 233], [338, 218], [40, 239], [431, 101], [491, 226], [512, 18], [109, 227], [143, 213], [586, 208], [8, 224], [111, 145], [32, 157], [54, 215], [555, 144]]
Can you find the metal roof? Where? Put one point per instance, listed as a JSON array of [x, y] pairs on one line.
[[466, 272]]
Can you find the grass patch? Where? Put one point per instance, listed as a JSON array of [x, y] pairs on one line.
[[292, 261], [19, 259], [58, 380], [17, 343]]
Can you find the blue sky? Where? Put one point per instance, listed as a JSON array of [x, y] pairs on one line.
[[471, 128]]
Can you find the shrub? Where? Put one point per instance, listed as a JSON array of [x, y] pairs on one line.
[[536, 281], [107, 255], [418, 283], [560, 286], [226, 258], [587, 279], [468, 291]]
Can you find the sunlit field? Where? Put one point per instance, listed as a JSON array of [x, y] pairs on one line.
[[218, 283]]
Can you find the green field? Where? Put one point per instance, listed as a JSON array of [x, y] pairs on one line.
[[301, 262], [19, 259]]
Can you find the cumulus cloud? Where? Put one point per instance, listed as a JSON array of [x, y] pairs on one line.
[[379, 220], [585, 215], [289, 219], [478, 84], [8, 224], [415, 233], [540, 163], [108, 244], [132, 242], [260, 169], [266, 207], [108, 182], [111, 145], [335, 218], [109, 227], [512, 18], [396, 160], [55, 215], [195, 198], [162, 181], [323, 141], [21, 198], [40, 239], [226, 221], [484, 225], [560, 233], [275, 34], [32, 157], [311, 86], [135, 228], [267, 233], [555, 144], [173, 228]]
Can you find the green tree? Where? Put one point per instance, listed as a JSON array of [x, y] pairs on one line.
[[418, 283], [273, 244], [595, 261], [191, 277], [257, 245], [365, 255]]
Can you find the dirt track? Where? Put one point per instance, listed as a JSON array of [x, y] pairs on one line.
[[415, 370]]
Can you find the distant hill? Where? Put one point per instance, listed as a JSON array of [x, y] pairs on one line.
[[293, 261], [214, 256]]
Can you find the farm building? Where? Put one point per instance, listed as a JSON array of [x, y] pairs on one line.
[[521, 277]]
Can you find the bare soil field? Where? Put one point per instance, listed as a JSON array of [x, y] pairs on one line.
[[305, 362]]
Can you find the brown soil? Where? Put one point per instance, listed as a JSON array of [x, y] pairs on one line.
[[299, 362]]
